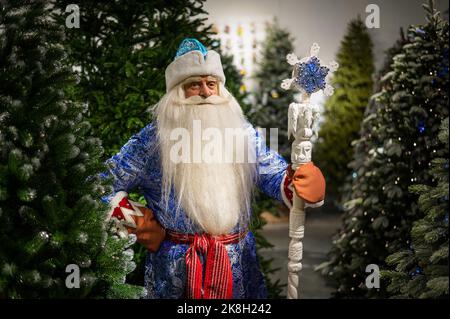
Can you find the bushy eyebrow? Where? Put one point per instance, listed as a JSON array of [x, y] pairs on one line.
[[211, 79], [194, 79]]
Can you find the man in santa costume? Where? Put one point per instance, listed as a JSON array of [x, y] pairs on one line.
[[195, 225]]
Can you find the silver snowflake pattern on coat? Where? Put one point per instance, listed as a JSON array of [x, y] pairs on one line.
[[137, 167]]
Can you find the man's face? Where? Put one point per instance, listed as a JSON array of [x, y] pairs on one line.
[[204, 86]]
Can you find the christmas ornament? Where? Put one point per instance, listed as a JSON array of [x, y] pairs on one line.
[[240, 31], [215, 29], [253, 28], [421, 127], [274, 94], [121, 212], [228, 44]]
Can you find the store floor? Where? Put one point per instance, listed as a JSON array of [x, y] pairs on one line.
[[319, 230]]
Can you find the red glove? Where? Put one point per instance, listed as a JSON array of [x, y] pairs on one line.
[[308, 182]]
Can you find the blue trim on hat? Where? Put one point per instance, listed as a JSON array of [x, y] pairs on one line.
[[190, 44]]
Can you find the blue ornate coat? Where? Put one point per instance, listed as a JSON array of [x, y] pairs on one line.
[[137, 167]]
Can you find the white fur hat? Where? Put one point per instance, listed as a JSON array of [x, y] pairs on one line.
[[193, 59]]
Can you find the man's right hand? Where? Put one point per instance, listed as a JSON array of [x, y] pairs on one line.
[[148, 231]]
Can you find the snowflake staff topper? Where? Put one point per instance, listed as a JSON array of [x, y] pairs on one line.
[[309, 76]]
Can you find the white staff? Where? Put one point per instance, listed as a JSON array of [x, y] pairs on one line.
[[308, 77]]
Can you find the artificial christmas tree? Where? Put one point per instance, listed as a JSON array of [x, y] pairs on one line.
[[398, 145], [362, 145], [340, 272], [269, 110], [422, 270], [121, 50], [344, 110], [52, 222]]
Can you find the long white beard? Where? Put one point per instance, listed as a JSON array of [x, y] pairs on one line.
[[216, 195]]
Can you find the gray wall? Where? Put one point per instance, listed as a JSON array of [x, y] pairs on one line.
[[325, 21]]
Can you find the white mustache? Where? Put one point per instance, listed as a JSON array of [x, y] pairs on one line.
[[198, 100]]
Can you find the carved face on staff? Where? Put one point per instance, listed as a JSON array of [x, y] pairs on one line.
[[304, 152]]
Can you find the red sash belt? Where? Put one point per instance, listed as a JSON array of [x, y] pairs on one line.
[[218, 283]]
